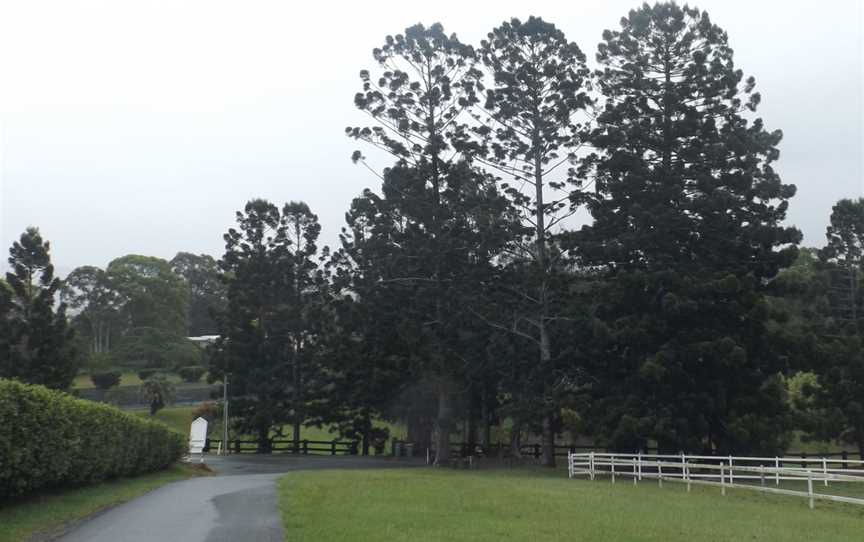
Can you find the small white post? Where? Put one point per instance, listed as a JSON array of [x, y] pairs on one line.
[[613, 469], [634, 471], [810, 487], [591, 464], [722, 478], [659, 474], [762, 475], [683, 465], [731, 476], [776, 471], [640, 464], [825, 470]]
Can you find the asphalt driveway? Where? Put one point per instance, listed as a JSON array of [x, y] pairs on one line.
[[237, 504]]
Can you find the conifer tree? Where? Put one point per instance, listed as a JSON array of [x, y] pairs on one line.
[[433, 196], [38, 340], [687, 227], [529, 130]]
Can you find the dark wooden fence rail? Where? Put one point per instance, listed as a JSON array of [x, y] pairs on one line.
[[399, 448], [304, 447]]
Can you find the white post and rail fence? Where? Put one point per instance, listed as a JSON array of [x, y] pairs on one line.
[[811, 478]]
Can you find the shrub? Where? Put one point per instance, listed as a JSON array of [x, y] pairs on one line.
[[105, 379], [192, 373], [49, 439], [209, 410], [144, 374]]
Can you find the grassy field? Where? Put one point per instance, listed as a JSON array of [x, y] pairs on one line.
[[83, 381], [48, 513], [180, 418], [430, 505]]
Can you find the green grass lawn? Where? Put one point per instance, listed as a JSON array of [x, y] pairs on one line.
[[180, 418], [83, 381], [45, 514], [431, 505]]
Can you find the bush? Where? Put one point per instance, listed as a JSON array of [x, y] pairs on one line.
[[208, 410], [144, 374], [49, 439], [192, 373], [105, 379]]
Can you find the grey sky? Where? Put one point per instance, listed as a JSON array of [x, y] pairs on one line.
[[141, 127]]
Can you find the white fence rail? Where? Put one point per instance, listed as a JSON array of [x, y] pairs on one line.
[[768, 474]]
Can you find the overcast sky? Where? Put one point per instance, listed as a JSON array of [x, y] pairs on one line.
[[142, 126]]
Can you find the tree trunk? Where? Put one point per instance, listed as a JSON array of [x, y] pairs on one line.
[[486, 432], [264, 439], [442, 426], [548, 441], [516, 439], [861, 445], [295, 432], [367, 435]]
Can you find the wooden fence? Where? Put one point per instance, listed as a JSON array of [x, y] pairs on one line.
[[768, 474], [303, 447]]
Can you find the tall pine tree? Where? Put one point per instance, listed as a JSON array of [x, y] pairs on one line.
[[38, 340], [687, 226]]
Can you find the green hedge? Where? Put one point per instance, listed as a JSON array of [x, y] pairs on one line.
[[49, 439]]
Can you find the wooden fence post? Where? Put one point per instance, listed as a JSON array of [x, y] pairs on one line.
[[537, 451], [333, 447]]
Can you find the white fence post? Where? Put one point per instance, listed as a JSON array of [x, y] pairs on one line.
[[640, 465], [810, 487], [591, 464], [722, 478], [634, 471], [825, 470], [659, 474], [731, 476], [776, 471], [613, 469]]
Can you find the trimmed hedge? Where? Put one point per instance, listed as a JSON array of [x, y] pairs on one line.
[[49, 439]]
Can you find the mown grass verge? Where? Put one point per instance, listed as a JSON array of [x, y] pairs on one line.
[[419, 505], [43, 516]]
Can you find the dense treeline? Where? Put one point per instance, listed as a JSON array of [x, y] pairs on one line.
[[683, 315]]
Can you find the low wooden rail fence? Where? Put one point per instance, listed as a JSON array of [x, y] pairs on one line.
[[768, 474], [303, 447]]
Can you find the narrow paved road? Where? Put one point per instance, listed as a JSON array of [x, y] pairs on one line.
[[238, 504]]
